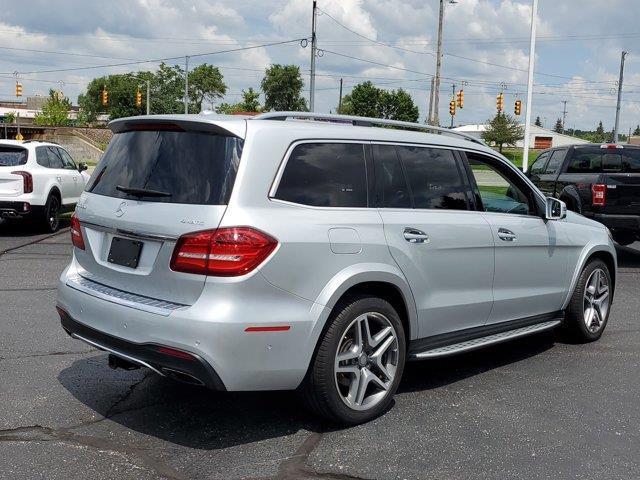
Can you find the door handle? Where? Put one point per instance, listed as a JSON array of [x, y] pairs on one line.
[[506, 235], [413, 235]]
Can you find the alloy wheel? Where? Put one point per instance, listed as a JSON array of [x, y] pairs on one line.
[[596, 300], [53, 214]]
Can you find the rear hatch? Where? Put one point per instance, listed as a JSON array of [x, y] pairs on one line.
[[156, 181], [11, 159], [621, 172]]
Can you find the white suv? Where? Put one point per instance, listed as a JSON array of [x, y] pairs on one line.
[[38, 180], [258, 254]]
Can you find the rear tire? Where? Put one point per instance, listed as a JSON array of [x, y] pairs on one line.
[[50, 220], [353, 376], [588, 312]]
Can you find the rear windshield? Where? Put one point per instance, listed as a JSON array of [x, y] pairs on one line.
[[189, 167], [603, 160], [12, 156]]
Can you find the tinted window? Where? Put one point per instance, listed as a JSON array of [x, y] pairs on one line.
[[631, 160], [539, 164], [555, 162], [434, 178], [67, 160], [391, 184], [55, 159], [42, 156], [193, 167], [325, 175], [12, 156], [499, 191]]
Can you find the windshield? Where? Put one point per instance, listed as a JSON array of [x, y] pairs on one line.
[[12, 156], [186, 167]]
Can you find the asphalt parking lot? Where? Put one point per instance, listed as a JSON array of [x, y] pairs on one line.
[[534, 408]]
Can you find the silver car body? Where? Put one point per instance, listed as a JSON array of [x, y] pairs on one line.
[[463, 277]]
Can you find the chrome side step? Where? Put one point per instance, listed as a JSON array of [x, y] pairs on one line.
[[469, 345]]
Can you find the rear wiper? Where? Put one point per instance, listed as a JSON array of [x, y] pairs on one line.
[[142, 192]]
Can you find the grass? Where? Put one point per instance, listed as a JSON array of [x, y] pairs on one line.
[[515, 155], [493, 189]]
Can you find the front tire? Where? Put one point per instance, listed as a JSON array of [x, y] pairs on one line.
[[624, 238], [588, 312], [50, 220], [359, 362]]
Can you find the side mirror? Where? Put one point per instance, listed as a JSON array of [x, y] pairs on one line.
[[556, 209], [82, 167]]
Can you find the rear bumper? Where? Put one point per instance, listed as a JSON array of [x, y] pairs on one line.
[[146, 355], [15, 209], [619, 222]]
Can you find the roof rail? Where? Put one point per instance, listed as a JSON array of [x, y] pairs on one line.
[[363, 122]]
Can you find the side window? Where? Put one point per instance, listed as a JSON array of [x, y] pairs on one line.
[[67, 160], [555, 162], [391, 184], [499, 191], [586, 160], [42, 158], [325, 175], [539, 164], [434, 177], [55, 160]]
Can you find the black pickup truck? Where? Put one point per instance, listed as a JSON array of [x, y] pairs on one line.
[[601, 182]]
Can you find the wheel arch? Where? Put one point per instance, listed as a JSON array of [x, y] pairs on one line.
[[602, 252], [570, 196]]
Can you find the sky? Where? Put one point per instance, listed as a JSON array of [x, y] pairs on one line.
[[390, 42]]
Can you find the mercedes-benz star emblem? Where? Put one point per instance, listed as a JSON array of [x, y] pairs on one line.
[[120, 210]]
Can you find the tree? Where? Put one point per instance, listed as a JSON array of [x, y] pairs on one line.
[[121, 90], [599, 138], [367, 100], [248, 104], [637, 130], [55, 111], [538, 122], [503, 130], [282, 86], [205, 83], [558, 128]]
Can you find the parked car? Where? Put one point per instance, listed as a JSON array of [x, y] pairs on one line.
[[38, 180], [256, 254], [601, 182]]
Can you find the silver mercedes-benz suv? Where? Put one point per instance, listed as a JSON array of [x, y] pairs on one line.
[[319, 253]]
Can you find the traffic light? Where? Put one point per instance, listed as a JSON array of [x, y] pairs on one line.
[[500, 102], [138, 98], [18, 89], [105, 97], [518, 107], [460, 99], [452, 108]]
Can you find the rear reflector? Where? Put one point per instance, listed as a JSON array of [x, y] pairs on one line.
[[598, 195], [27, 181], [277, 328], [226, 252], [172, 352], [76, 233]]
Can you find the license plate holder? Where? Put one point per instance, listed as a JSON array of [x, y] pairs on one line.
[[125, 252]]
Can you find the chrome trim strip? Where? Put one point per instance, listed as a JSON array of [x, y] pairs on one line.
[[119, 354], [138, 302], [486, 341], [130, 233]]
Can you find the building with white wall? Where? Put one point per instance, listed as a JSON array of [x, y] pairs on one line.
[[540, 138]]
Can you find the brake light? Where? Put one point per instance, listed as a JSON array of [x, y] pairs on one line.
[[611, 146], [76, 233], [225, 252], [598, 195], [27, 180]]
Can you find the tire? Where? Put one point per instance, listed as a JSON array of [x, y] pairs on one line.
[[50, 217], [376, 364], [624, 238], [584, 319]]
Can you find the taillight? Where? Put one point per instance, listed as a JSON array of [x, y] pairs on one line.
[[27, 180], [225, 252], [598, 195], [76, 233]]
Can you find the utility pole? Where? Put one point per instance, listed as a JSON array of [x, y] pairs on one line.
[[186, 84], [564, 114], [436, 89], [148, 97], [340, 99], [430, 116], [532, 57], [312, 83], [615, 128]]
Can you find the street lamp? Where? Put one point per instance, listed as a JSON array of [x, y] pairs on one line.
[[532, 57]]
